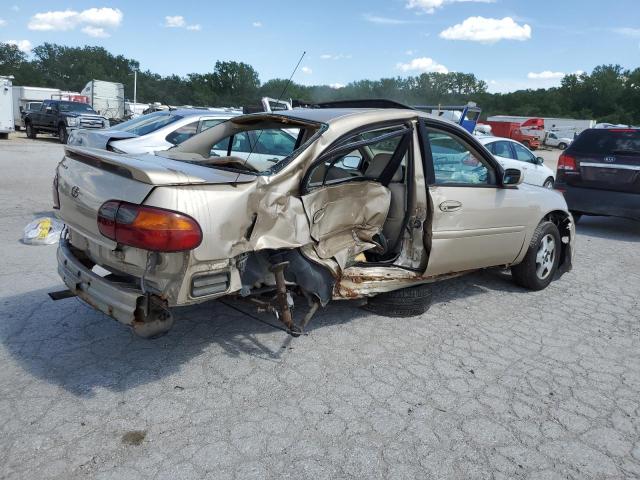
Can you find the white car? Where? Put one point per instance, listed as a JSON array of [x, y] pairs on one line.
[[553, 140], [151, 133], [512, 154]]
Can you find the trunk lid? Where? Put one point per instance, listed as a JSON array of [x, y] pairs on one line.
[[606, 159], [86, 178]]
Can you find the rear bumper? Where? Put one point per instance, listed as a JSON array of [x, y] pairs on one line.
[[116, 300], [591, 201]]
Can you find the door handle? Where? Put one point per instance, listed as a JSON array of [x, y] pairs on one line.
[[318, 215], [450, 206]]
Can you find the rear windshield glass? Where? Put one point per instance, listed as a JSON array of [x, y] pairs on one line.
[[147, 123], [75, 107], [608, 141]]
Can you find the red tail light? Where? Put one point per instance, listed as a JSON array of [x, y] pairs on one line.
[[149, 228], [567, 162]]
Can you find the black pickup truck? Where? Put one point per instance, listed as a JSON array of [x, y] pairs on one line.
[[59, 117]]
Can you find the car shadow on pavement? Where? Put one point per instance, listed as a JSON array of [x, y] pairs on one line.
[[609, 228], [69, 344]]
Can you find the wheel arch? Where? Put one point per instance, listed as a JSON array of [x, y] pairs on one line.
[[564, 222]]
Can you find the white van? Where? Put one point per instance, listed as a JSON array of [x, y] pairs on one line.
[[6, 107]]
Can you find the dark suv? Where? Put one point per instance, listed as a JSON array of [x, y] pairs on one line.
[[60, 117], [599, 173]]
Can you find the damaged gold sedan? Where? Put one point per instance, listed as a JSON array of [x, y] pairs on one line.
[[317, 204]]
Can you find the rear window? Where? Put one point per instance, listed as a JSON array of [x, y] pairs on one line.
[[608, 141], [147, 123]]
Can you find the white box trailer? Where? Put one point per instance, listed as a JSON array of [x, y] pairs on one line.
[[26, 97], [563, 127], [6, 107], [106, 98]]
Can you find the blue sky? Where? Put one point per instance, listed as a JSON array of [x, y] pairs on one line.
[[510, 44]]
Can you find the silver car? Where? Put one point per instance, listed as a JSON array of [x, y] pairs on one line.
[[336, 204], [153, 132]]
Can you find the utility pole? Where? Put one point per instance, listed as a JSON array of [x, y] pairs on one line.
[[135, 86]]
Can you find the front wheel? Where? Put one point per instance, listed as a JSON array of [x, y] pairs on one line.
[[406, 302], [31, 132], [548, 183], [62, 134], [541, 261]]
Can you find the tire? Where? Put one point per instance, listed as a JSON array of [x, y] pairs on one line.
[[18, 128], [540, 264], [407, 302], [562, 145], [4, 136], [62, 134], [548, 183], [31, 132]]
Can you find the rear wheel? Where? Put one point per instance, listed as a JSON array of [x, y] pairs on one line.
[[31, 132], [407, 302], [562, 145], [4, 136], [548, 183], [541, 261], [62, 134]]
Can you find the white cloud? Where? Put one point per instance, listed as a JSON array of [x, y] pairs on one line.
[[176, 21], [487, 30], [257, 24], [306, 70], [101, 17], [384, 20], [430, 6], [545, 75], [422, 64], [3, 22], [337, 86], [93, 21], [96, 32], [331, 56], [627, 32], [23, 45]]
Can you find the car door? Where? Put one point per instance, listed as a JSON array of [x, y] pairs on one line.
[[346, 193], [534, 173], [476, 222]]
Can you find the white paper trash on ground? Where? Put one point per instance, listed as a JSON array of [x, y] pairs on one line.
[[42, 231]]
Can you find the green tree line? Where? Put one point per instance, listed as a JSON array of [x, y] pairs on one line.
[[609, 93]]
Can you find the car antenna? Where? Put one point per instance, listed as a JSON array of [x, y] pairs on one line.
[[279, 98]]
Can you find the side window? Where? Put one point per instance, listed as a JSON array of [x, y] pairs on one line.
[[501, 149], [209, 122], [183, 133], [454, 162], [276, 143], [366, 161], [523, 154]]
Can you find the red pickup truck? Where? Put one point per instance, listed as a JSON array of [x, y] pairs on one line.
[[512, 130]]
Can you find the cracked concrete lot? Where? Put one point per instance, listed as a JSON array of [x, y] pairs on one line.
[[492, 382]]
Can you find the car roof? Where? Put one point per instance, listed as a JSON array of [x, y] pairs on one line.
[[484, 139], [331, 115], [189, 112]]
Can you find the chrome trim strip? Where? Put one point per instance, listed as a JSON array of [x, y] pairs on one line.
[[610, 165]]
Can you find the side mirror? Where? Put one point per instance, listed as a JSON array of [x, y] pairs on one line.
[[351, 161], [540, 160], [512, 176]]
